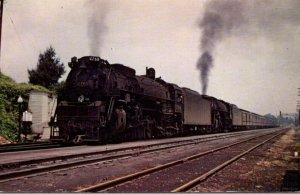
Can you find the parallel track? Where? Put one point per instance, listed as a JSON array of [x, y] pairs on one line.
[[66, 157], [190, 184], [104, 186], [125, 153], [27, 146]]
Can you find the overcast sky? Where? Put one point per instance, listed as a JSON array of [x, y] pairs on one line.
[[255, 63]]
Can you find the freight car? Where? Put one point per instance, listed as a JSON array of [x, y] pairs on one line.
[[103, 102]]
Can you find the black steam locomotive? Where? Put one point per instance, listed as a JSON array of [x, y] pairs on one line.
[[103, 102]]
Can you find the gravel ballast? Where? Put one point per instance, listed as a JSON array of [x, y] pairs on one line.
[[264, 170]]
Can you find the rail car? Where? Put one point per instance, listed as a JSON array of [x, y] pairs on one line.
[[103, 102]]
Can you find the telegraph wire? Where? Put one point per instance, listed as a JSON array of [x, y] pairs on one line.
[[14, 27]]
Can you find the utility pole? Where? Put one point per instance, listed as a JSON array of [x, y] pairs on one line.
[[1, 14], [298, 116], [298, 107]]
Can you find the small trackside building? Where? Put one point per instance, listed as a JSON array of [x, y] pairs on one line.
[[42, 105]]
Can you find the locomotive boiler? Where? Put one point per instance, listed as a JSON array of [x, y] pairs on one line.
[[103, 102]]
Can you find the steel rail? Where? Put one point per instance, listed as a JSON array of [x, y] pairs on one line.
[[4, 177], [25, 147], [65, 157], [21, 144], [123, 179], [203, 177]]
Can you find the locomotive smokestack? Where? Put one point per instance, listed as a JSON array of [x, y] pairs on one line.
[[220, 17], [150, 73]]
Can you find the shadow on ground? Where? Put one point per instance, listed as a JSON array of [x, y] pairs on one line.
[[291, 181]]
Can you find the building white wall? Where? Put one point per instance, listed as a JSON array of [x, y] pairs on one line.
[[42, 106]]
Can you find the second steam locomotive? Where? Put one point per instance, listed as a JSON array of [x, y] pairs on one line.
[[102, 102]]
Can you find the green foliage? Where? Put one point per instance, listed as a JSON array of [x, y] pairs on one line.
[[285, 121], [49, 69], [8, 120], [58, 87], [270, 116], [9, 92]]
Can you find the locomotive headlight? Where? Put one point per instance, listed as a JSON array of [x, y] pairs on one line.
[[81, 98]]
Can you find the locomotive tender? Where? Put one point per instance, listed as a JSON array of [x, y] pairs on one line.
[[101, 102]]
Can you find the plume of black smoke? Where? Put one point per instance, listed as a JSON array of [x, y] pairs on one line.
[[276, 20], [204, 64], [219, 19], [97, 27]]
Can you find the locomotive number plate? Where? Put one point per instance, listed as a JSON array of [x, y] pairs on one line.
[[82, 84], [94, 58]]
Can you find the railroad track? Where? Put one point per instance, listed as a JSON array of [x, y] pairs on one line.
[[29, 168], [67, 157], [181, 175], [27, 146]]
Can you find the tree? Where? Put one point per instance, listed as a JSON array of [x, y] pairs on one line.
[[49, 69]]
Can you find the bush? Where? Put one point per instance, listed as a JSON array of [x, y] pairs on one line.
[[8, 121], [9, 93]]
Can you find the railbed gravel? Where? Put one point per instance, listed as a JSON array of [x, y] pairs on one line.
[[78, 177], [168, 179], [263, 170]]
